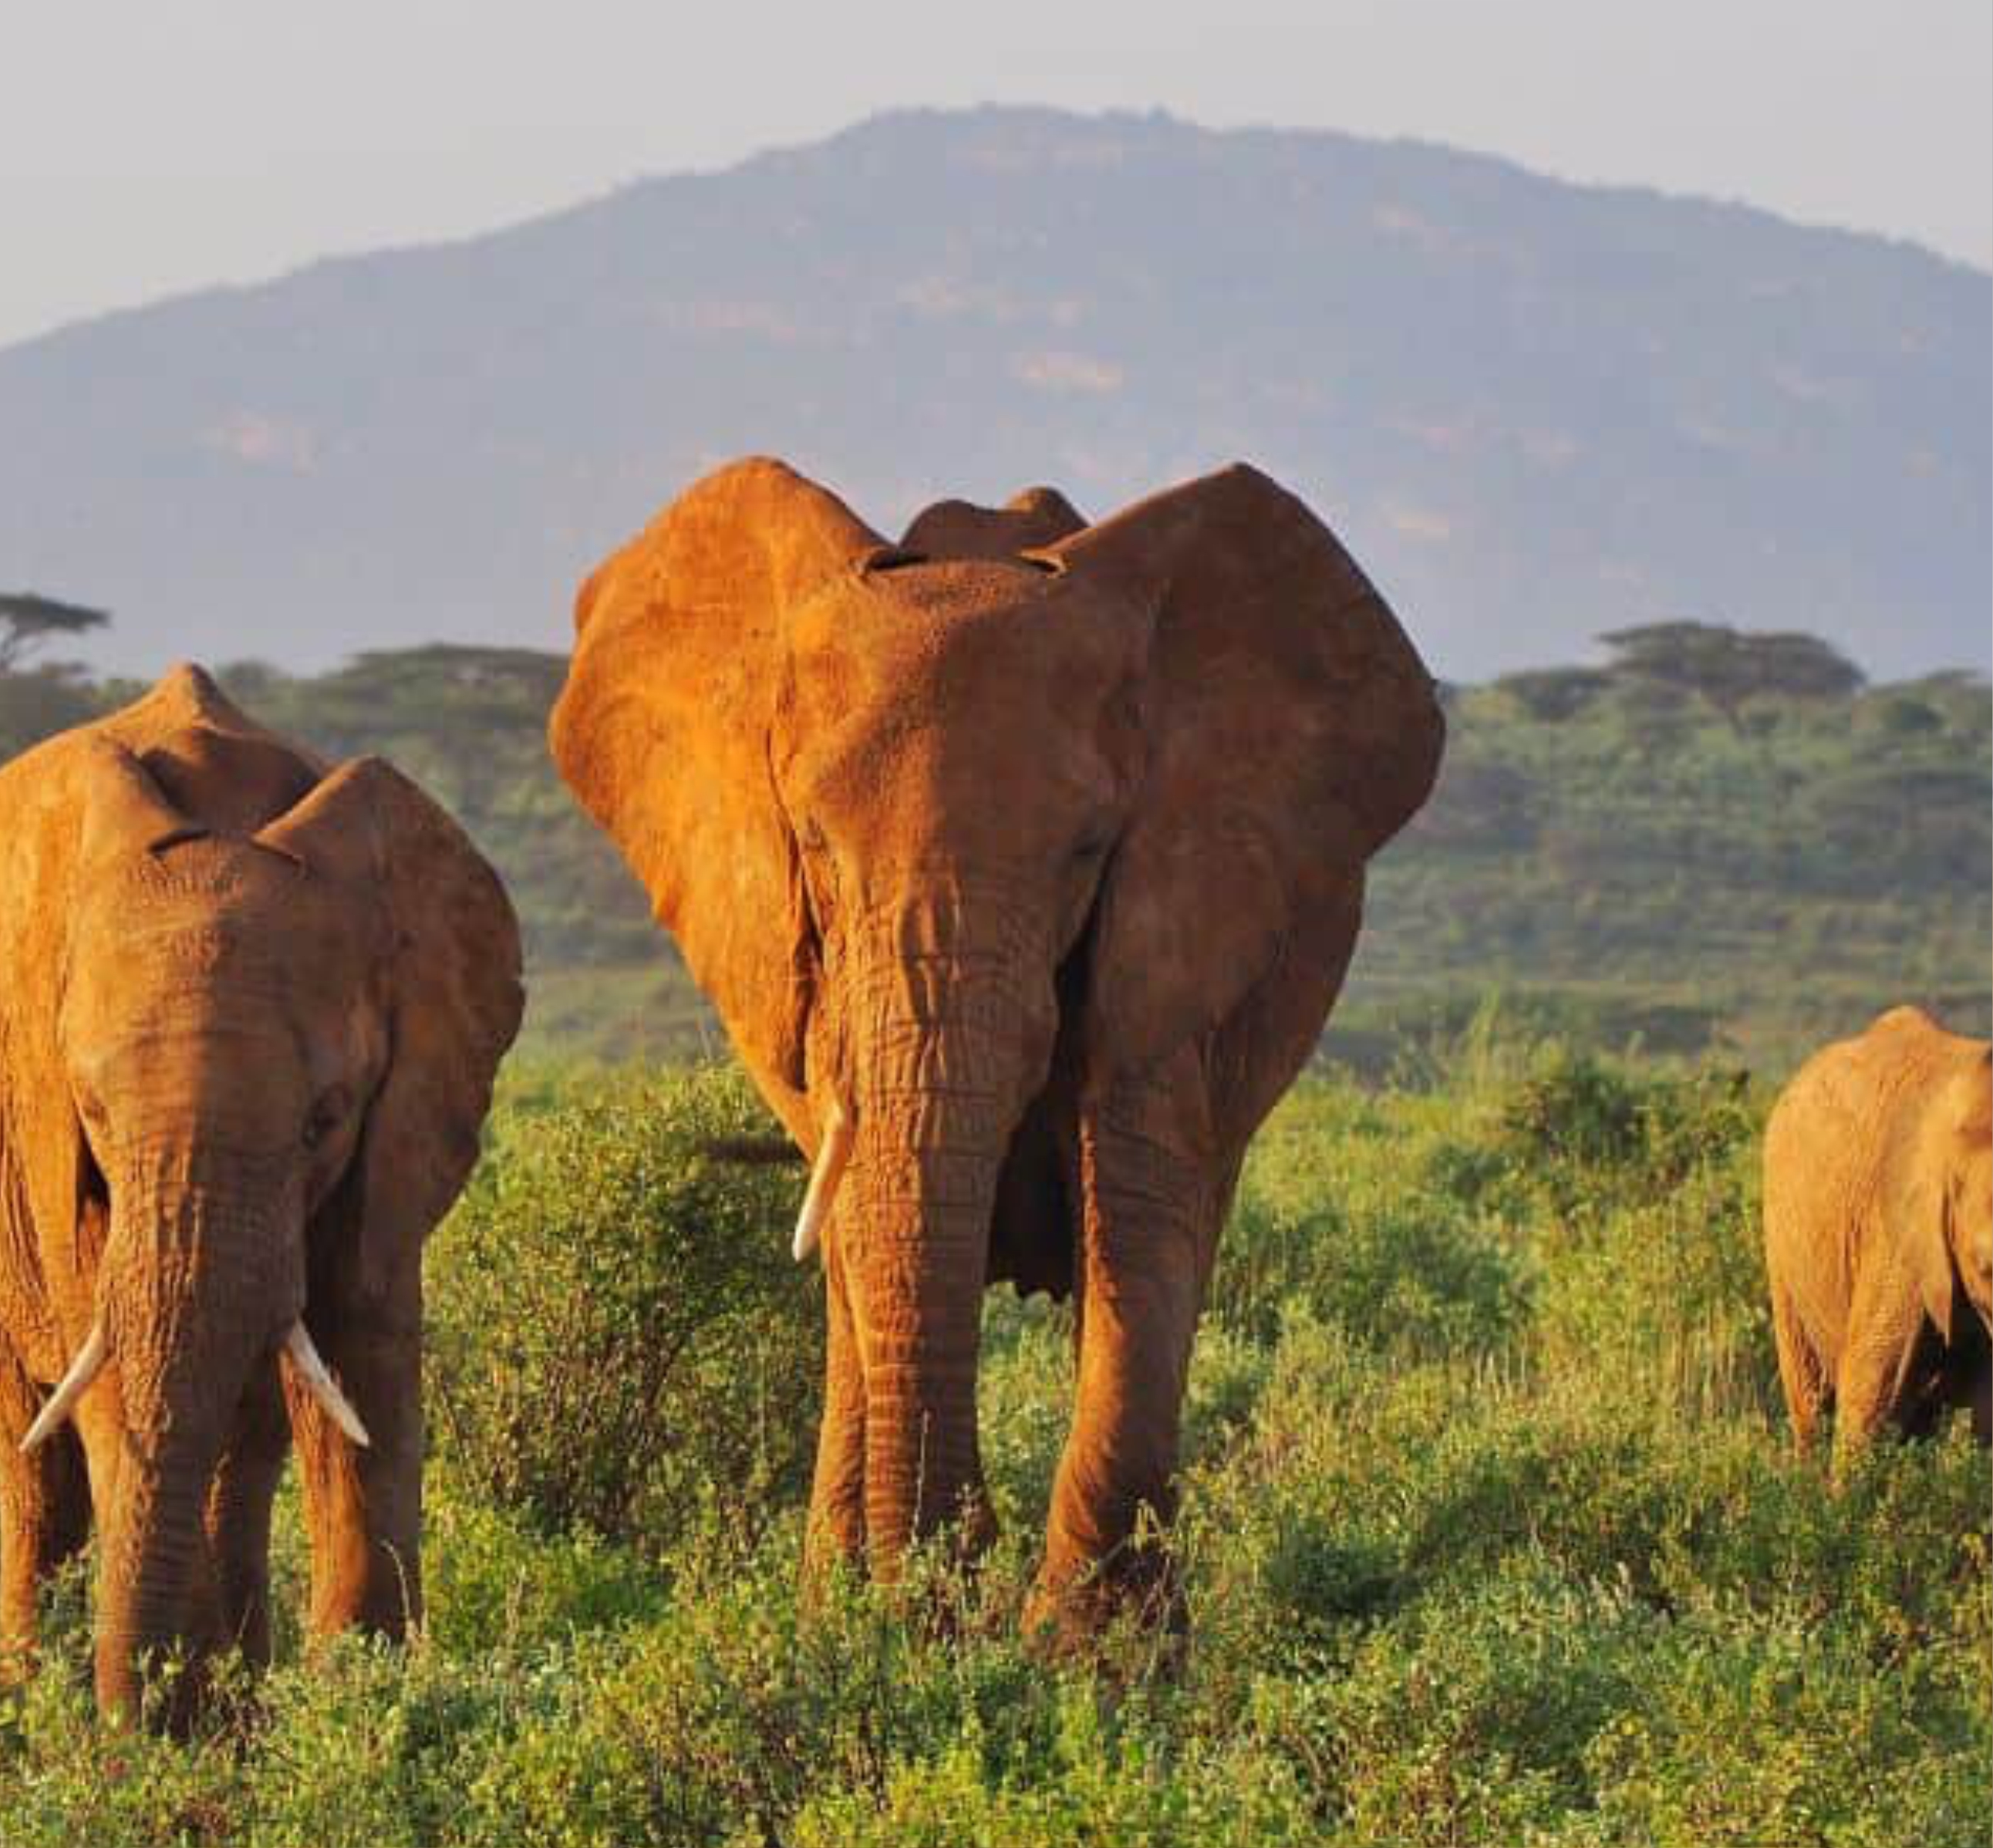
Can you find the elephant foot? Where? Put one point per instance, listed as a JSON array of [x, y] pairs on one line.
[[833, 1558], [1079, 1604]]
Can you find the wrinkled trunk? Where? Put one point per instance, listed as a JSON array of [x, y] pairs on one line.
[[192, 1287], [154, 1566], [941, 1054], [924, 1179]]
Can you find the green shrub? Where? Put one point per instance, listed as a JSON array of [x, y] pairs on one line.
[[1331, 1219], [618, 1337], [1576, 1113], [1490, 1534]]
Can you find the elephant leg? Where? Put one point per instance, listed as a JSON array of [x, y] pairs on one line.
[[363, 1505], [44, 1514], [837, 1494], [238, 1519], [23, 1519], [1148, 1229], [1799, 1371], [1884, 1326]]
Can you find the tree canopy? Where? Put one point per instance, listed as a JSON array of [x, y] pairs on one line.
[[1726, 666], [28, 619]]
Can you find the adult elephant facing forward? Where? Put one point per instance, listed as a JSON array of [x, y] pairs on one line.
[[250, 1011], [1023, 861]]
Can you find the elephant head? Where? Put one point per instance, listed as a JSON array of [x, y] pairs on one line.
[[1946, 1184], [1020, 801], [274, 1041]]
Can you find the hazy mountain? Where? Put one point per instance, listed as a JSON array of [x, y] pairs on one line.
[[1535, 411]]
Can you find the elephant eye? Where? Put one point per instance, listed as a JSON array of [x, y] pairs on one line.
[[324, 1118]]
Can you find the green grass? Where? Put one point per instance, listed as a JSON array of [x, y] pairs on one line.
[[1490, 1532]]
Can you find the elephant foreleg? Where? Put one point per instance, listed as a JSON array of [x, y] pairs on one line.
[[44, 1514], [1145, 1248], [239, 1519], [837, 1495], [1799, 1371], [363, 1505], [1885, 1324]]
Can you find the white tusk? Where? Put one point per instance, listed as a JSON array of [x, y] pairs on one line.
[[832, 1152], [319, 1382], [89, 1363]]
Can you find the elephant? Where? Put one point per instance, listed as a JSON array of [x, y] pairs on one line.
[[1023, 860], [1878, 1231], [251, 1009]]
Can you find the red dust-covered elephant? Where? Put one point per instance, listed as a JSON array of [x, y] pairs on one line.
[[250, 1010], [1879, 1231], [1023, 860]]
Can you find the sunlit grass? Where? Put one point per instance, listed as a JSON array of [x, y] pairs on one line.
[[1490, 1534]]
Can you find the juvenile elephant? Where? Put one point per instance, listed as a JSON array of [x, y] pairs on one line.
[[250, 1012], [1878, 1230], [1023, 860]]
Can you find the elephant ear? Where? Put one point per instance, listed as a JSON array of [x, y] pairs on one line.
[[1927, 1220], [1028, 521], [69, 807], [1934, 1161], [662, 732], [454, 998], [1294, 731]]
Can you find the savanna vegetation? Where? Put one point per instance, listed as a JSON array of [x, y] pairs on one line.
[[1491, 1533], [1715, 841]]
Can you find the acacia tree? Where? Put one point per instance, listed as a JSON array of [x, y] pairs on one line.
[[27, 620], [1726, 666]]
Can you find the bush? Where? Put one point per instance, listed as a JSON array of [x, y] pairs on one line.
[[1583, 1125], [618, 1336], [1490, 1534], [1332, 1220]]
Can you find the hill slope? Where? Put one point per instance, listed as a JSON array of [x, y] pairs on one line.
[[1535, 411]]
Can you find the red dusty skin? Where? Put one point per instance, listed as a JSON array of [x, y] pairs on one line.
[[922, 1184], [247, 1003], [949, 1036], [914, 812], [176, 1245]]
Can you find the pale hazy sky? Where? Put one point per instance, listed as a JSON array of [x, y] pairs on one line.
[[148, 147]]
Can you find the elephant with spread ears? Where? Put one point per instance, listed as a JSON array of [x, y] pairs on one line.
[[1023, 860], [251, 1009], [1878, 1232]]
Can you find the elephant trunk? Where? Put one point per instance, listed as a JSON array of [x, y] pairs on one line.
[[194, 1291], [923, 1182], [951, 1032], [154, 1568]]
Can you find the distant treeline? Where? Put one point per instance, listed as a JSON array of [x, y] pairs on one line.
[[1714, 841]]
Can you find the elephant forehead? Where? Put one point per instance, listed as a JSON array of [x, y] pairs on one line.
[[993, 618], [209, 906], [208, 871]]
